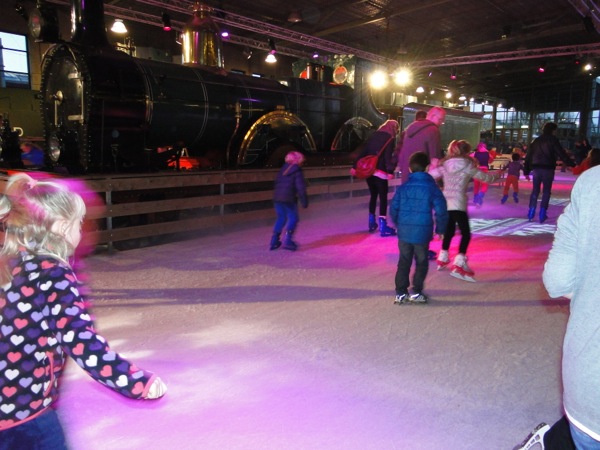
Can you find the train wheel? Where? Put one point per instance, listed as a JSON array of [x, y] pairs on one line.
[[260, 146]]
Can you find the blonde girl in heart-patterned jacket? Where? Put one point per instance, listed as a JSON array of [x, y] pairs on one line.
[[44, 318]]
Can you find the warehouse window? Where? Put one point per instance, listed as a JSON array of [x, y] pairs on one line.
[[14, 61]]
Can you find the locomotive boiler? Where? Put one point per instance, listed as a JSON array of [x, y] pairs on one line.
[[106, 111]]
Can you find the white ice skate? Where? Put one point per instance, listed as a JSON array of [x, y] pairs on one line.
[[535, 439], [461, 270], [442, 260]]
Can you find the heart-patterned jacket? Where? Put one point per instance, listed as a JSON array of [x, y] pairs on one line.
[[44, 318]]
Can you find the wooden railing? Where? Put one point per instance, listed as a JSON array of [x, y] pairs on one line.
[[150, 205]]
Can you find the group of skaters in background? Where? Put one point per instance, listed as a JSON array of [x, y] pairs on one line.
[[433, 200]]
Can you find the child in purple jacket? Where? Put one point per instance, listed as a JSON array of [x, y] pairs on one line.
[[44, 318]]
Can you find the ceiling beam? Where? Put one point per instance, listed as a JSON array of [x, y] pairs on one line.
[[311, 42], [567, 50]]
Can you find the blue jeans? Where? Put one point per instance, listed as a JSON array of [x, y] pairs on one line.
[[286, 213], [42, 433], [582, 440], [542, 180], [407, 252]]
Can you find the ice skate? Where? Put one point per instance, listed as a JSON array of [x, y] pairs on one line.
[[418, 298], [535, 440], [461, 270], [400, 299], [442, 259]]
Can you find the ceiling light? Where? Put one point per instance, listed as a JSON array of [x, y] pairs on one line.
[[294, 16], [166, 20], [542, 67], [118, 27], [462, 97], [271, 56], [224, 33], [453, 74], [420, 90], [448, 95], [402, 77], [378, 79]]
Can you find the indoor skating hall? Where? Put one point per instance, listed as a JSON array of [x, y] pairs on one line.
[[306, 350]]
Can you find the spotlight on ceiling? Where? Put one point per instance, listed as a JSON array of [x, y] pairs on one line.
[[294, 16], [542, 67], [403, 77], [271, 56], [118, 27], [166, 20], [453, 74]]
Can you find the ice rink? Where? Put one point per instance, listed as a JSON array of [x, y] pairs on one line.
[[280, 350]]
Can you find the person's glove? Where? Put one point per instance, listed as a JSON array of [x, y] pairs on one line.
[[157, 389]]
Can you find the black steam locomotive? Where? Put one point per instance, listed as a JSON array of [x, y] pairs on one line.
[[106, 111]]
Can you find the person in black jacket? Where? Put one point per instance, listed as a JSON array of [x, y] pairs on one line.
[[382, 142], [290, 187], [541, 159]]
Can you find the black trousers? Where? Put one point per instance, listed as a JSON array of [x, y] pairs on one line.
[[461, 219], [378, 188], [558, 436]]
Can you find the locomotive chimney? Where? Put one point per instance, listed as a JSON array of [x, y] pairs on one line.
[[87, 23], [201, 40]]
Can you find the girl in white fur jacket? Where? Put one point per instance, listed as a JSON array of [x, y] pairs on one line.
[[456, 169]]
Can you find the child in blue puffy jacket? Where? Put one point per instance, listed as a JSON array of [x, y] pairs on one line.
[[411, 211], [290, 186]]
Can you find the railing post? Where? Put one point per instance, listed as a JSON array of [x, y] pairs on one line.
[[109, 219]]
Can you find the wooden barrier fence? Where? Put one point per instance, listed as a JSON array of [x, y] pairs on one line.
[[157, 204]]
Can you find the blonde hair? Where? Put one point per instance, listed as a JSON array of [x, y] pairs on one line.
[[28, 210], [390, 127], [294, 158], [458, 148]]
